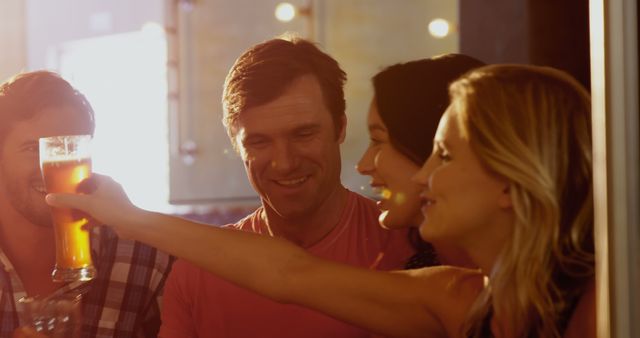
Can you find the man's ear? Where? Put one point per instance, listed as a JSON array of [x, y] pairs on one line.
[[343, 128], [504, 200]]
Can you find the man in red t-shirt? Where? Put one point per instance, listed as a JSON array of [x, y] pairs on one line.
[[285, 114]]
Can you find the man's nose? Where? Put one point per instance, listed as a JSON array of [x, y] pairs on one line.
[[284, 157]]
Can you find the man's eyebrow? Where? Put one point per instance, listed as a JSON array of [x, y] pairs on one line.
[[251, 136], [311, 126], [308, 125]]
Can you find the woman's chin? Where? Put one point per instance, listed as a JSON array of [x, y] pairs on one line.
[[424, 232]]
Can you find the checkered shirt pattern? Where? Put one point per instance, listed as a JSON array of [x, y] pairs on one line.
[[122, 301]]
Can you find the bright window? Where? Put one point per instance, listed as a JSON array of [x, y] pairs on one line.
[[124, 76]]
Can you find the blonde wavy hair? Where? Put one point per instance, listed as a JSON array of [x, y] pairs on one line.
[[532, 126]]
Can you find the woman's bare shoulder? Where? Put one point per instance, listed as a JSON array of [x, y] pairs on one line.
[[450, 292]]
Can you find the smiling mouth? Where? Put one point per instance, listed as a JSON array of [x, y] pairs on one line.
[[292, 182], [39, 187]]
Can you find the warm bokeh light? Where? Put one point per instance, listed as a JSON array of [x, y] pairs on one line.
[[385, 194], [400, 198], [285, 12], [439, 28]]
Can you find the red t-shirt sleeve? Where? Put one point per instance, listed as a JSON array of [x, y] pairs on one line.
[[177, 303]]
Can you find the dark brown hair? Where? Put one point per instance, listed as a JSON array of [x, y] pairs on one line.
[[26, 94], [411, 97]]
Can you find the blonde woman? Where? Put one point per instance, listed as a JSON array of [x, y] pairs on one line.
[[527, 221], [509, 181]]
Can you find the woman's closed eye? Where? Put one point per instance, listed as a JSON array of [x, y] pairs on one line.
[[374, 141], [442, 154]]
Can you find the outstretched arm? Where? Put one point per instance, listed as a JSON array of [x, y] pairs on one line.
[[393, 304], [381, 302]]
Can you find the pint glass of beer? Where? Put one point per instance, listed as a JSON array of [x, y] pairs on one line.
[[65, 161]]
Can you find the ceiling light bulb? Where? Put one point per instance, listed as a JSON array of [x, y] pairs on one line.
[[285, 12], [439, 28]]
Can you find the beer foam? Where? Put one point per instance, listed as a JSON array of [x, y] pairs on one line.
[[65, 158], [65, 148]]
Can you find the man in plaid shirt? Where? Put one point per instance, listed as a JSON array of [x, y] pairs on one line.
[[124, 298]]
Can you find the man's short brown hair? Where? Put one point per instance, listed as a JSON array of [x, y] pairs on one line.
[[26, 94], [264, 72]]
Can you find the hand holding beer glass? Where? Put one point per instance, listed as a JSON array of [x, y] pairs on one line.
[[65, 161]]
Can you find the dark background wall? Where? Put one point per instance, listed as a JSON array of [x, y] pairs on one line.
[[542, 32]]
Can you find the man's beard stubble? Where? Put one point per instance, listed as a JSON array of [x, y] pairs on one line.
[[22, 200]]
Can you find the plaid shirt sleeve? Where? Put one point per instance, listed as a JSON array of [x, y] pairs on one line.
[[124, 300]]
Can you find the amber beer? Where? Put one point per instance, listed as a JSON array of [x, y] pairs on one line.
[[65, 162]]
